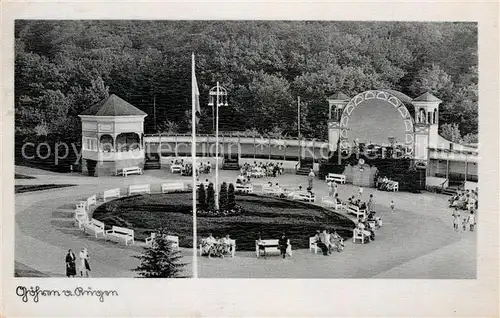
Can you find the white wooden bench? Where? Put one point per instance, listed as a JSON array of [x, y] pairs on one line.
[[340, 178], [91, 201], [81, 217], [272, 190], [120, 233], [354, 209], [172, 186], [306, 196], [357, 234], [312, 244], [271, 247], [175, 168], [172, 238], [94, 227], [395, 186], [139, 188], [129, 170], [111, 193], [331, 201], [246, 188]]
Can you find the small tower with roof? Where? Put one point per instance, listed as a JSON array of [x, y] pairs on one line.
[[427, 115], [112, 137], [336, 104]]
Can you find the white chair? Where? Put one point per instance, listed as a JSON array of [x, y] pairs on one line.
[[357, 234], [312, 244]]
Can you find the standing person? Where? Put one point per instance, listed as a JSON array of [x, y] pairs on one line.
[[84, 263], [472, 221], [456, 219], [329, 185], [335, 188], [360, 192], [310, 178], [70, 264], [283, 244], [393, 206], [369, 205]]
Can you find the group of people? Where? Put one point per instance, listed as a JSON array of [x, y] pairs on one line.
[[83, 266], [329, 242], [270, 169], [465, 200], [217, 247], [385, 184], [468, 221]]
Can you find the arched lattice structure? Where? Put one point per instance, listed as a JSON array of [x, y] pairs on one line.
[[391, 100]]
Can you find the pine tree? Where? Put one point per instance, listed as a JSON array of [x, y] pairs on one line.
[[223, 196], [160, 260], [211, 196], [231, 200], [202, 196]]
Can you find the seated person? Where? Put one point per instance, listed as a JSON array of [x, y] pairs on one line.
[[321, 241], [262, 248], [336, 241], [361, 226], [336, 198], [207, 245]]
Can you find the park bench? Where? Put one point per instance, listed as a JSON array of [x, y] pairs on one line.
[[120, 233], [175, 168], [271, 247], [112, 193], [357, 234], [91, 201], [94, 227], [246, 188], [172, 186], [172, 238], [232, 243], [129, 170], [272, 190], [331, 201], [306, 196], [340, 178], [356, 210], [81, 217], [313, 245], [139, 188]]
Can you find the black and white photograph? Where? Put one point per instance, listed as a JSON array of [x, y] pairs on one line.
[[323, 149], [189, 150]]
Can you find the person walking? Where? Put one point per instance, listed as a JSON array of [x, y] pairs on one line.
[[283, 244], [369, 205], [70, 264], [393, 206], [456, 219], [360, 192], [310, 178], [84, 263], [472, 221]]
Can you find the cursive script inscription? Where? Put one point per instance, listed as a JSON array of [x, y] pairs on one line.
[[35, 293]]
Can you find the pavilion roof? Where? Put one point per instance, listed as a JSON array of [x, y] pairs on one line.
[[113, 106]]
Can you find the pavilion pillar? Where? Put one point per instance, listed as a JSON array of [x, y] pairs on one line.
[[447, 168], [465, 168], [329, 112]]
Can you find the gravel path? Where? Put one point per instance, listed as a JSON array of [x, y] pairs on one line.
[[416, 241]]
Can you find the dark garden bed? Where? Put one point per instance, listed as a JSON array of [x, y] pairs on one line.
[[39, 187]]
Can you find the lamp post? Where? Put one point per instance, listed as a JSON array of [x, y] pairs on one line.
[[217, 94]]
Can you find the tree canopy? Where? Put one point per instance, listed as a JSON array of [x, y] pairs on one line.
[[63, 67]]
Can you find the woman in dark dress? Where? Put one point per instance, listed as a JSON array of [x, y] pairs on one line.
[[70, 264], [283, 244]]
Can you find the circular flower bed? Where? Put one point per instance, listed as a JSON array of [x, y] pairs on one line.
[[258, 216]]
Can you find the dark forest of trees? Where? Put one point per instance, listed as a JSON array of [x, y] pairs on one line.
[[63, 67]]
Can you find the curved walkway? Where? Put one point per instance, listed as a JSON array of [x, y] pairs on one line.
[[417, 241]]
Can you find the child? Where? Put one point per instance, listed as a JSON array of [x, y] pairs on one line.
[[472, 221], [393, 206], [464, 224]]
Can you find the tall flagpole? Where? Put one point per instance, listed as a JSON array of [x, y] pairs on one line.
[[217, 149], [193, 159]]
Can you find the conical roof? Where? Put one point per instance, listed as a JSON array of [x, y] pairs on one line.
[[427, 97], [113, 106], [338, 96]]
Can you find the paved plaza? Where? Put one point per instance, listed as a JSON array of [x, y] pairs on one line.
[[416, 241]]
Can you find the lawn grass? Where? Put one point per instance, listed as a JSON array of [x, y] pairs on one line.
[[39, 187], [264, 216]]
